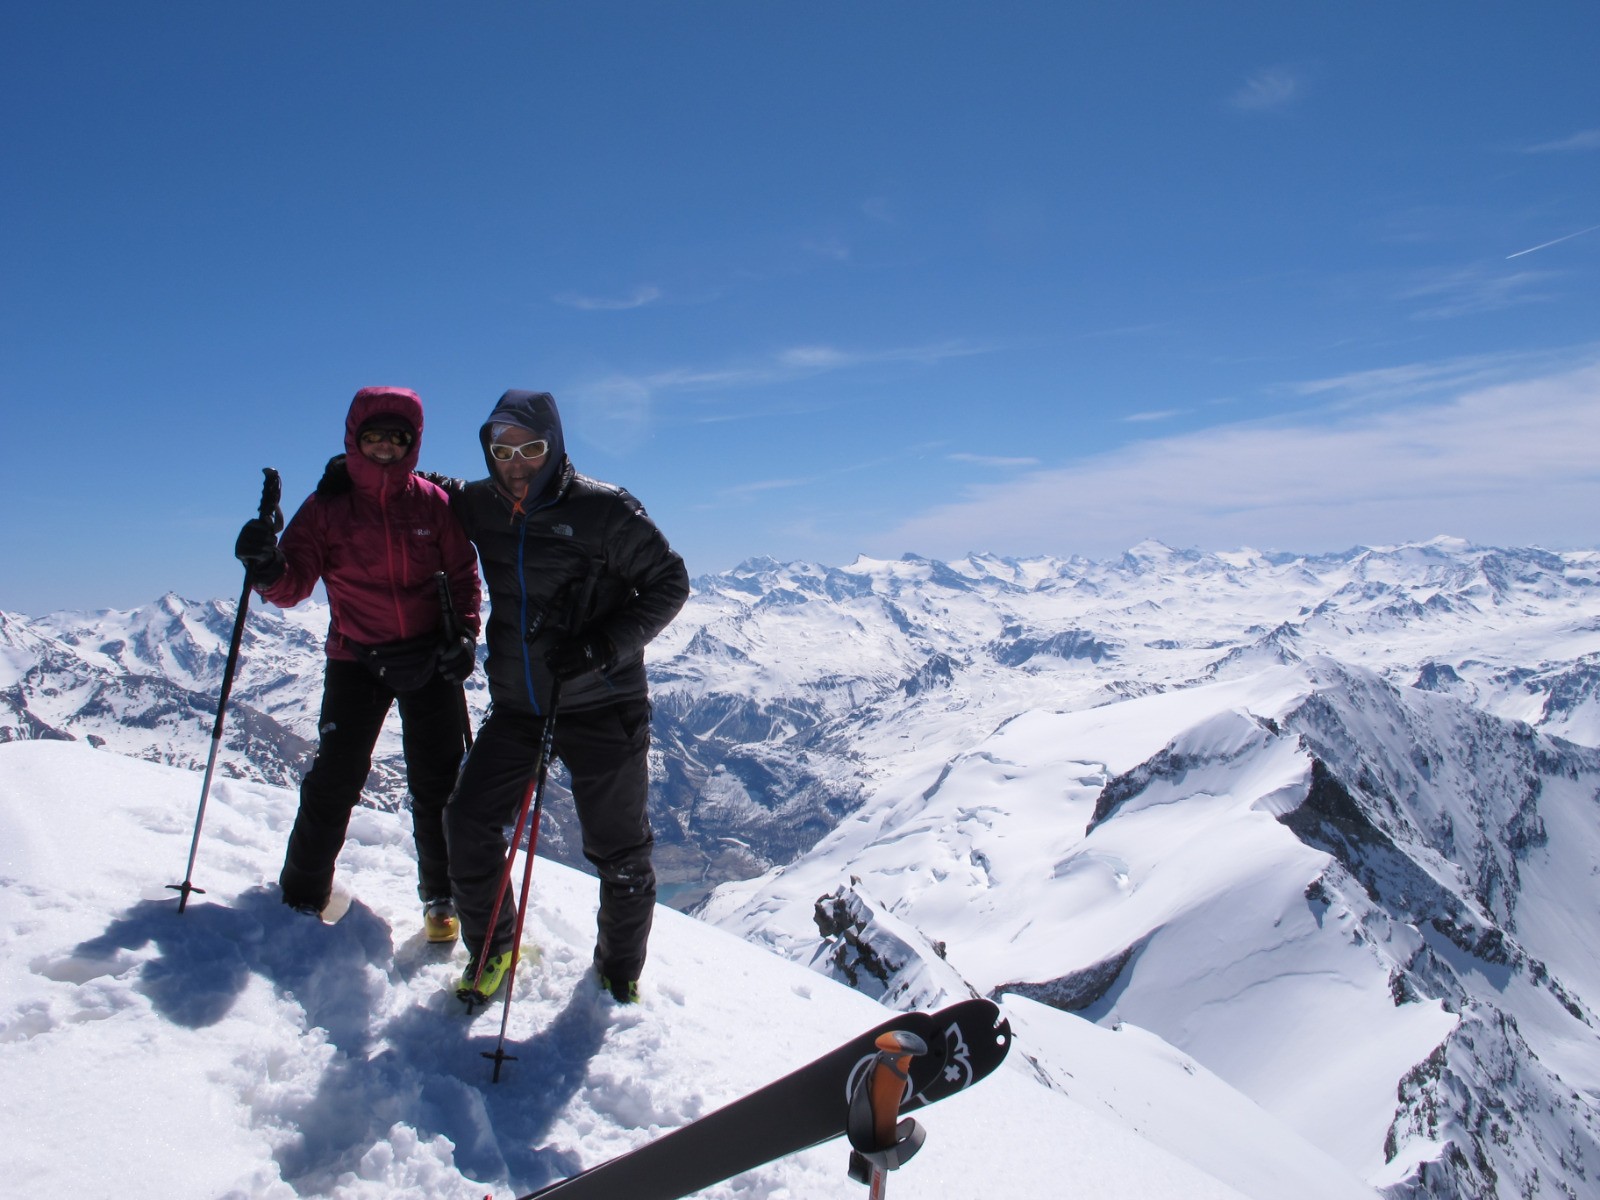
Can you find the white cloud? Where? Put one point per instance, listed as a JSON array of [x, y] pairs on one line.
[[1552, 242], [1415, 380], [993, 460], [1268, 89], [640, 296], [619, 407], [796, 362], [1587, 139], [1472, 290], [880, 209], [818, 358], [745, 491], [1165, 414], [831, 248], [1512, 463]]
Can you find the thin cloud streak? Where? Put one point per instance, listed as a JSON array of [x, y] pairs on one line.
[[620, 407], [1413, 381], [638, 298], [880, 209], [1511, 463], [1273, 88], [796, 362], [1555, 242], [990, 460], [744, 491], [831, 249], [1587, 139], [1472, 290]]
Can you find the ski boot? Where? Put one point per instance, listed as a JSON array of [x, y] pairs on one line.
[[472, 989], [439, 921], [623, 991]]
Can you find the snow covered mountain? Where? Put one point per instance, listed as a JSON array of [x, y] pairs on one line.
[[145, 683], [786, 692], [1330, 883], [1320, 824]]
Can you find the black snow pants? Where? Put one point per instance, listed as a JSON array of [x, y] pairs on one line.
[[354, 705], [606, 752]]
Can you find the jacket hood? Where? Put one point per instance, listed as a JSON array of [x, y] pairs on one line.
[[529, 410], [373, 402]]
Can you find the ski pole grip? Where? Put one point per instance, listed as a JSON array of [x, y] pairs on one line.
[[271, 496], [874, 1127], [889, 1074]]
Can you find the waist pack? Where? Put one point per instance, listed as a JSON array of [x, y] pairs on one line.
[[404, 666]]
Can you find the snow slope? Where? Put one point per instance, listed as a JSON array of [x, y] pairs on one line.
[[241, 1050], [1370, 909]]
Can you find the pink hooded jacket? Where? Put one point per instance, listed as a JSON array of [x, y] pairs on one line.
[[377, 546]]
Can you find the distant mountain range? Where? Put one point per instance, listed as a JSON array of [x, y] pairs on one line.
[[1330, 824]]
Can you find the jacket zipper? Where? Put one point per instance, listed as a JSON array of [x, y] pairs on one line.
[[528, 634], [388, 552]]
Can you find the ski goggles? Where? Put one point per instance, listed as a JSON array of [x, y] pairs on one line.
[[395, 437], [530, 450]]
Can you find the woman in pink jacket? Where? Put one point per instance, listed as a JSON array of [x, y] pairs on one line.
[[377, 536]]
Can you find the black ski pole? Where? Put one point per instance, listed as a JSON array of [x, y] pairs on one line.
[[881, 1141], [452, 630], [542, 771], [271, 493]]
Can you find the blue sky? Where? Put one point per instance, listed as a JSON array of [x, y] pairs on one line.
[[811, 280]]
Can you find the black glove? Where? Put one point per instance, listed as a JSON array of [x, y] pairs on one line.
[[449, 483], [457, 659], [257, 548], [579, 656]]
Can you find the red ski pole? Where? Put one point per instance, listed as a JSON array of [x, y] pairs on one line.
[[529, 817], [532, 798], [499, 1055]]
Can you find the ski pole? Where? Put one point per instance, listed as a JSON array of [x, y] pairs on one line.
[[452, 630], [271, 493], [535, 781], [881, 1141], [535, 784], [541, 772]]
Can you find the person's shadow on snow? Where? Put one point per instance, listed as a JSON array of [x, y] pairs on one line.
[[431, 1069], [428, 1067], [207, 955]]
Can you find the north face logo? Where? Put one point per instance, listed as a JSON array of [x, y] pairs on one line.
[[563, 530]]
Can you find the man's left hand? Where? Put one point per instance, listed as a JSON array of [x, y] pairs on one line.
[[579, 656]]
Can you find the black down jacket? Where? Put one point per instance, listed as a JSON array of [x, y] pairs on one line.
[[576, 557]]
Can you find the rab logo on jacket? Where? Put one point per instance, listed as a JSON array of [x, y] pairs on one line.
[[423, 532]]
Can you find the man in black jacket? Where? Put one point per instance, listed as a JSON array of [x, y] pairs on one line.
[[579, 581]]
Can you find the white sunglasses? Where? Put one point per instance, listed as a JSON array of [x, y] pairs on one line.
[[530, 450]]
